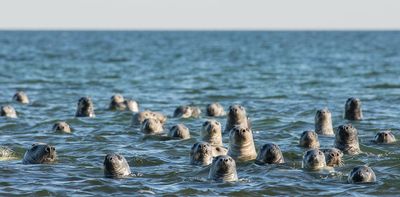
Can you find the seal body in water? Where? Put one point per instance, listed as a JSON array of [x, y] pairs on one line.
[[201, 154], [384, 137], [362, 174], [115, 166], [346, 139], [353, 109], [333, 157], [179, 131], [85, 108], [187, 111], [269, 154], [119, 103], [211, 132], [309, 139], [8, 111], [223, 168], [323, 122], [314, 159], [40, 153], [62, 127], [215, 109], [138, 118], [236, 116], [21, 97], [241, 144], [152, 126]]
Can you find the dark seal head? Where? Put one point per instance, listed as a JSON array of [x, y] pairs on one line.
[[201, 154], [8, 111], [85, 108], [215, 109], [179, 131], [241, 144], [270, 154], [333, 157], [223, 168], [62, 127], [115, 166], [21, 97], [236, 116], [138, 118], [384, 137], [362, 174], [323, 122], [309, 139], [346, 139], [211, 132], [353, 109], [314, 159], [40, 153], [152, 126]]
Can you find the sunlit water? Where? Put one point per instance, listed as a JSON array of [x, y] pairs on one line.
[[281, 78]]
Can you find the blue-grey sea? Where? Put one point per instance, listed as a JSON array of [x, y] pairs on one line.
[[281, 78]]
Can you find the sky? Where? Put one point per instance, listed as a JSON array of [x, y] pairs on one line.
[[201, 14]]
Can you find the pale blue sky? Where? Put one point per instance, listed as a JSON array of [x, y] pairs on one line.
[[202, 14]]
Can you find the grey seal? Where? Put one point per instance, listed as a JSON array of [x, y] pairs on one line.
[[201, 154], [138, 118], [118, 102], [116, 166], [353, 109], [151, 126], [241, 144], [384, 137], [62, 127], [323, 122], [333, 157], [8, 111], [85, 108], [362, 174], [215, 109], [346, 139], [40, 153], [236, 116], [270, 153], [309, 139], [211, 132], [314, 159], [187, 111], [223, 168], [21, 97], [179, 131]]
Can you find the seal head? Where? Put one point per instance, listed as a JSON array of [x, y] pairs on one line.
[[353, 109], [215, 109], [8, 111], [62, 127], [40, 153], [236, 116], [85, 108], [201, 154], [223, 168], [152, 126], [211, 132], [384, 137], [309, 139], [179, 131], [241, 144], [270, 154], [333, 157], [362, 174], [323, 122], [346, 139], [314, 159], [21, 97], [115, 165], [138, 118]]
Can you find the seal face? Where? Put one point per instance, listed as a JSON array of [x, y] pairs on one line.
[[314, 159], [179, 131], [138, 118], [201, 154], [353, 109], [236, 116], [8, 111], [241, 144], [223, 168], [151, 126], [269, 154], [186, 111], [215, 109], [384, 137], [115, 165], [119, 103], [323, 122], [211, 132], [346, 139], [333, 157], [40, 153], [309, 139], [85, 108], [362, 174], [62, 127], [21, 97]]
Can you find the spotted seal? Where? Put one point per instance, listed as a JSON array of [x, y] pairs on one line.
[[115, 166], [361, 174], [346, 139], [236, 116], [323, 122], [270, 153], [151, 126], [223, 168], [384, 137], [21, 97], [211, 132], [85, 108], [179, 131], [215, 109], [333, 157], [62, 127], [138, 118], [314, 159], [241, 144], [8, 111], [201, 154], [353, 109], [309, 139], [40, 153]]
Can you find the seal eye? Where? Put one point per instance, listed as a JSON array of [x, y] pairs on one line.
[[332, 154], [319, 152], [205, 123]]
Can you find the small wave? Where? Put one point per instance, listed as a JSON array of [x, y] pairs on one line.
[[384, 86]]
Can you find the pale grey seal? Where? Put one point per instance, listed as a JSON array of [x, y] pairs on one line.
[[215, 109], [362, 174], [236, 116], [40, 153], [62, 127], [353, 109], [116, 166], [8, 111], [201, 154], [309, 139], [384, 137], [314, 159], [270, 153], [179, 131], [85, 108], [346, 139], [21, 97], [211, 132], [323, 122], [333, 157], [241, 144], [151, 126], [223, 168]]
